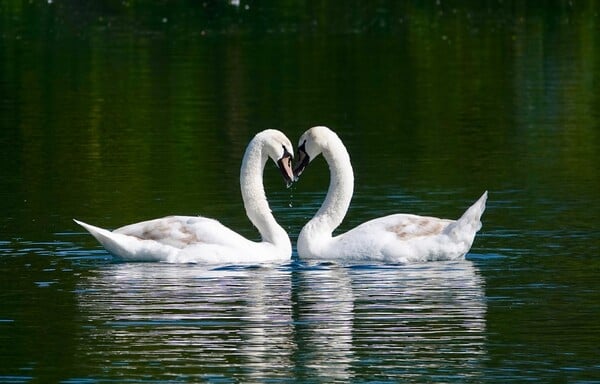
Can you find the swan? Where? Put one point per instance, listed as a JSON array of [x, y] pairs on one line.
[[191, 239], [398, 238]]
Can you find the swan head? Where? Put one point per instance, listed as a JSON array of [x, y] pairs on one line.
[[311, 144], [279, 148]]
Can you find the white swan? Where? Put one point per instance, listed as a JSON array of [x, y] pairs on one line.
[[398, 238], [204, 240]]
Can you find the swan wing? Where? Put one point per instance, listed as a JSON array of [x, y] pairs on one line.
[[183, 231], [164, 239], [406, 226], [406, 237], [389, 238]]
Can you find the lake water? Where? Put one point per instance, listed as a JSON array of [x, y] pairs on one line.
[[116, 112]]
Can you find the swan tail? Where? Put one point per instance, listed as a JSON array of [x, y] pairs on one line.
[[123, 246], [106, 238], [464, 229]]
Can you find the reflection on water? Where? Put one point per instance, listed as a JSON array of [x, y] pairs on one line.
[[323, 321], [186, 319], [397, 322], [325, 318]]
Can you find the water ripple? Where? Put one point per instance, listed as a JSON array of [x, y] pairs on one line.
[[325, 321]]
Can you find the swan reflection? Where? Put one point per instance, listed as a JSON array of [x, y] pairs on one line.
[[323, 322], [173, 318], [324, 318], [388, 321]]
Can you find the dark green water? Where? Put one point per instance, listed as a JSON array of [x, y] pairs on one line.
[[114, 112]]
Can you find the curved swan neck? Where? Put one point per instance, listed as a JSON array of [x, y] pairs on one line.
[[341, 188], [254, 197]]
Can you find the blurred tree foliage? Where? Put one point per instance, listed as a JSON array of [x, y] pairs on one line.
[[275, 16], [171, 91]]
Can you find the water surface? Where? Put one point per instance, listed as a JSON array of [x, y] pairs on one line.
[[115, 113]]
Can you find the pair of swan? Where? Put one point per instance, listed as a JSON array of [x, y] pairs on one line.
[[395, 238]]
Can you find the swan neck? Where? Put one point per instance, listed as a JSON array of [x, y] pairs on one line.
[[341, 187], [254, 197]]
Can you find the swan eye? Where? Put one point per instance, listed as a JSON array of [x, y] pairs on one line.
[[286, 153], [302, 147]]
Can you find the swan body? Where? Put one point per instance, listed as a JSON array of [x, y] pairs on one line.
[[191, 239], [398, 238]]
